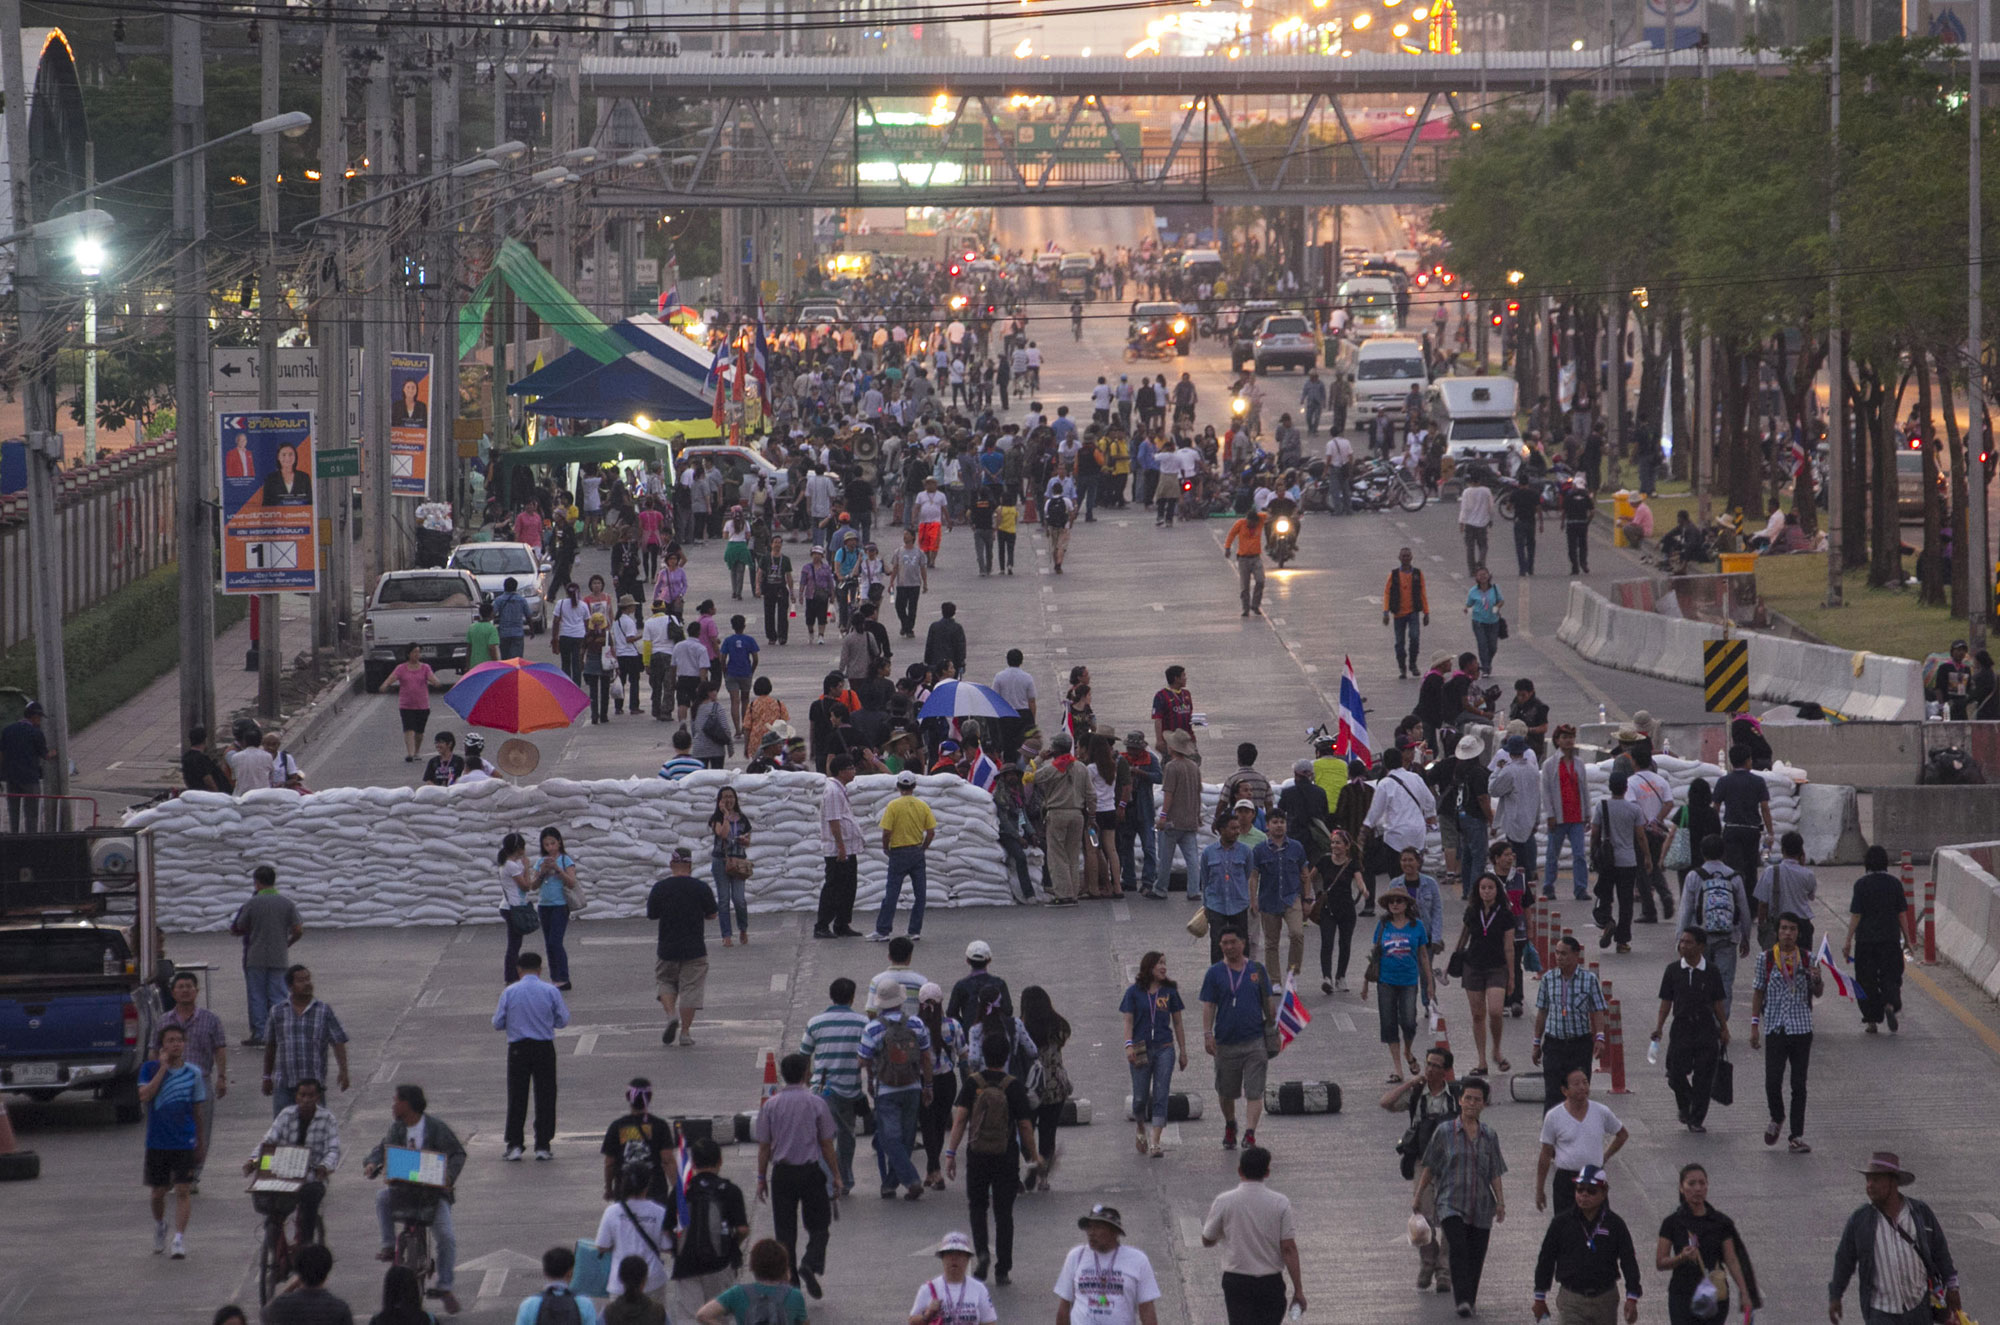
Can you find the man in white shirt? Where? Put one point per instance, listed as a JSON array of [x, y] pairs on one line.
[[1253, 1224], [1015, 684], [1574, 1134], [1400, 814], [819, 502], [251, 766], [840, 843], [1339, 457], [933, 517], [1104, 1282], [1475, 517], [660, 670]]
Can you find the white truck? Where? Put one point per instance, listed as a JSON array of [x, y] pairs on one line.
[[1476, 416], [431, 608]]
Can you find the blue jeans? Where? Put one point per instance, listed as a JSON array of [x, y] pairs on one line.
[[1409, 642], [729, 893], [1578, 837], [265, 986], [444, 1239], [513, 646], [1152, 1081], [896, 1116], [1471, 852], [903, 862], [555, 923], [1183, 841], [1486, 639], [1396, 1008], [1135, 845]]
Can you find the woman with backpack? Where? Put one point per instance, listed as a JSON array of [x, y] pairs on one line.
[[947, 1054], [1049, 1032], [1154, 1041], [1700, 1246]]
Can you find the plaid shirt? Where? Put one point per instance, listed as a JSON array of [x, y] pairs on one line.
[[1463, 1170], [1787, 996], [1569, 1001], [204, 1036], [322, 1136], [302, 1039]]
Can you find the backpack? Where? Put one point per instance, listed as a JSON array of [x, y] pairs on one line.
[[1056, 513], [559, 1308], [762, 1307], [988, 1126], [706, 1241], [896, 1064], [1718, 903]]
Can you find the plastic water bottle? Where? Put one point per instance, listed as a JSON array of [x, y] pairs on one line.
[[1653, 1051], [1297, 1313], [1603, 715]]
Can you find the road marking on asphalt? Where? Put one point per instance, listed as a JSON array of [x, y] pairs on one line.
[[1345, 1022], [1309, 668], [1054, 629], [1171, 1135], [778, 982], [586, 1044], [1985, 1033], [628, 941], [493, 1283], [429, 998], [1190, 1227], [384, 1073], [1121, 912]]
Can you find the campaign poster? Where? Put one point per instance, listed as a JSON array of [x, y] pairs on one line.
[[270, 513], [409, 424]]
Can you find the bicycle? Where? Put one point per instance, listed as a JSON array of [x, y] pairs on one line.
[[275, 1196], [413, 1210]]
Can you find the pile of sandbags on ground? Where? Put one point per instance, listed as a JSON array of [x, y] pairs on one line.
[[362, 856]]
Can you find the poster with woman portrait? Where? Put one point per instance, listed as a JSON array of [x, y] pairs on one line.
[[270, 512], [409, 424]]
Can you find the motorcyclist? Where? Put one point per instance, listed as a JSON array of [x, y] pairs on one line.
[[1281, 514]]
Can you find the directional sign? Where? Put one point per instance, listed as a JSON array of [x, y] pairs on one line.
[[1725, 675]]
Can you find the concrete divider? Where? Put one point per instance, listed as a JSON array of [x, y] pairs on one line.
[[1856, 684], [1968, 912], [1923, 819]]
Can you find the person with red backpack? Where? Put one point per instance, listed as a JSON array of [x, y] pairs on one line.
[[895, 1055]]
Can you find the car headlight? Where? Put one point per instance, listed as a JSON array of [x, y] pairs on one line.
[[1180, 325]]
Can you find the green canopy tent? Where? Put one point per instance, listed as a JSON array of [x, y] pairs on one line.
[[618, 442]]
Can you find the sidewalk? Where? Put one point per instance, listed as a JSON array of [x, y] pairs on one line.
[[132, 752]]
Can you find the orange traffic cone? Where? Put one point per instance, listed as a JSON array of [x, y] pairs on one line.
[[1443, 1040], [15, 1165], [770, 1075]]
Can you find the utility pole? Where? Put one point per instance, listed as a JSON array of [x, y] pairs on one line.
[[269, 646], [38, 402], [499, 429], [375, 337], [1980, 580], [1836, 354], [90, 316], [330, 336], [192, 441], [439, 277]]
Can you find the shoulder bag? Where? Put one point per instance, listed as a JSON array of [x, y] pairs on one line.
[[574, 899], [1934, 1288], [1679, 853], [523, 919], [1372, 974]]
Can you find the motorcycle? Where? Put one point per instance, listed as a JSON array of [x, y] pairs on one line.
[[1153, 343], [1381, 486], [1282, 544], [1547, 488]]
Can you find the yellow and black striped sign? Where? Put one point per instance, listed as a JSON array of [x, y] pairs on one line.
[[1725, 674]]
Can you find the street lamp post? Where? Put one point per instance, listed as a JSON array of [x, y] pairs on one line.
[[89, 265]]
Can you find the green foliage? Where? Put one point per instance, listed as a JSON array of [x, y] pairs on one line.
[[135, 379], [116, 649]]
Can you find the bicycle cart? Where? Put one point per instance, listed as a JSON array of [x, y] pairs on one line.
[[280, 1175]]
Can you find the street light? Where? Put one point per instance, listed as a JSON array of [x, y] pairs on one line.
[[89, 253]]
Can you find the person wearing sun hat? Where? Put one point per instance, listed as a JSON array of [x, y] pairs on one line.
[[954, 1297], [1104, 1282], [1899, 1248]]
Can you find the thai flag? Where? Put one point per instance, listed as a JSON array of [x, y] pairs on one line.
[[683, 1175], [716, 380], [670, 298], [1292, 1016], [758, 362], [1843, 984], [984, 772], [1352, 740]]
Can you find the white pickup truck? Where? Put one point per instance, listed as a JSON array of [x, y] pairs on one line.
[[433, 608]]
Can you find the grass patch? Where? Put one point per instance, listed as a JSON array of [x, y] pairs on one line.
[[1879, 620], [118, 647]]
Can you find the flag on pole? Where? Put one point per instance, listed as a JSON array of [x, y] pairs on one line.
[[759, 365], [984, 772], [683, 1175], [716, 380], [1843, 983], [1293, 1017], [1352, 740]]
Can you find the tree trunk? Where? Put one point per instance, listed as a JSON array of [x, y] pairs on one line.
[[1931, 563], [1676, 390], [1859, 386], [1954, 447]]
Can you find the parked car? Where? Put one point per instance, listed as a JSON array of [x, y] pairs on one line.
[[493, 564], [735, 462], [431, 608]]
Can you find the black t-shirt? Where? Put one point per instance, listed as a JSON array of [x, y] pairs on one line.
[[640, 1138], [1455, 691], [1694, 994], [683, 905], [1739, 793], [1487, 948], [1473, 782], [692, 1260], [197, 766], [1534, 713], [1430, 699], [981, 511], [976, 996], [1017, 1105], [1711, 1230], [1879, 901], [308, 1306]]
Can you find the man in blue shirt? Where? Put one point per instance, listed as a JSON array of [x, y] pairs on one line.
[[739, 664], [510, 614], [1146, 463], [172, 1087], [531, 1011], [1284, 890], [1236, 1002], [558, 1264], [1225, 887]]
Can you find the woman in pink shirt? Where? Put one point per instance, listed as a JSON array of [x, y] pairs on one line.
[[414, 680], [650, 520], [528, 527]]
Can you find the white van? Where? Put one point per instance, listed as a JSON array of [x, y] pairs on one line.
[[1381, 372], [1476, 416], [1370, 301]]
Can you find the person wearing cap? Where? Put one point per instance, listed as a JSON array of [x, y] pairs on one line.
[[896, 1068], [1254, 1227], [1951, 681], [979, 993], [816, 589], [1104, 1282], [1584, 1253], [682, 905], [1899, 1248], [1063, 783], [908, 827], [953, 1298]]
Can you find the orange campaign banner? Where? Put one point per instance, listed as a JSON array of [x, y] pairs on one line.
[[409, 424], [270, 511]]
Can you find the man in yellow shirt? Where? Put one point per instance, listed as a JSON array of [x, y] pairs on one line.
[[907, 829], [1246, 536]]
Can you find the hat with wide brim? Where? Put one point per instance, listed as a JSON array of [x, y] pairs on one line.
[[1180, 742], [1394, 890], [954, 1242], [1470, 747], [1885, 1161], [1106, 1215]]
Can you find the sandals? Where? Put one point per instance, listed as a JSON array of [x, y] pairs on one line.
[[1140, 1140], [1504, 1065], [1395, 1078], [1159, 1152], [1411, 1059]]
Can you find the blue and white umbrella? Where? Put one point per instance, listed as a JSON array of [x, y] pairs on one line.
[[966, 699]]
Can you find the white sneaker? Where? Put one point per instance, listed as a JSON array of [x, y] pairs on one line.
[[686, 1040], [544, 1154], [160, 1237], [180, 1250], [513, 1154]]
